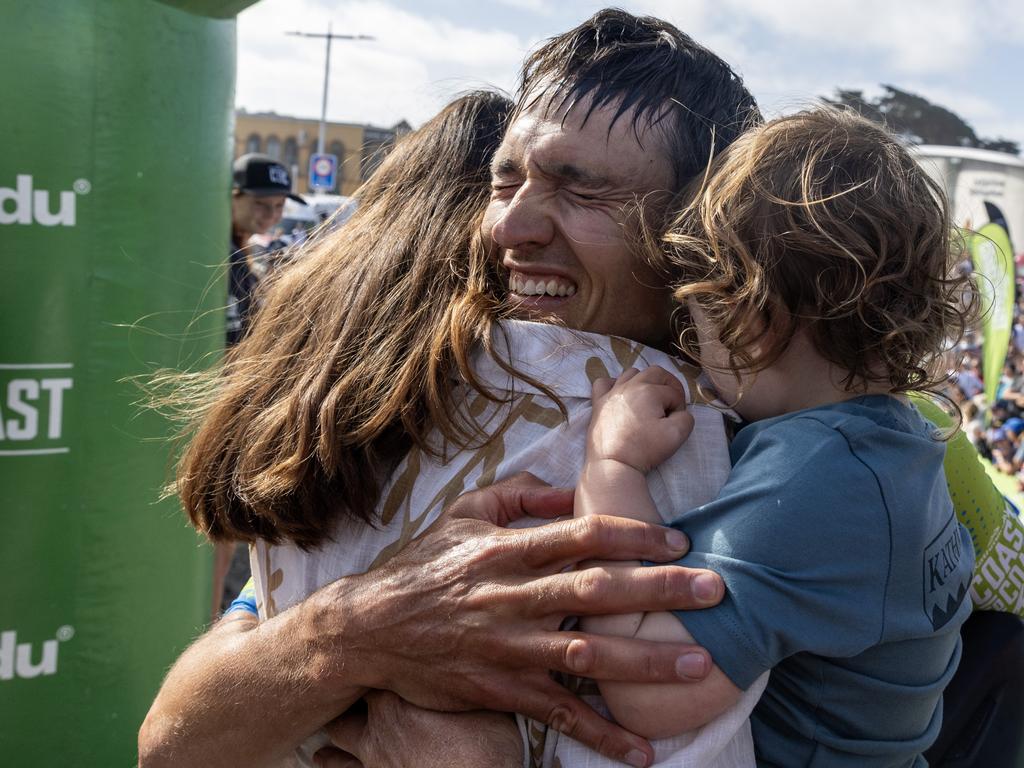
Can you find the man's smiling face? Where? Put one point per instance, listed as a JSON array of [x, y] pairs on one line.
[[562, 195]]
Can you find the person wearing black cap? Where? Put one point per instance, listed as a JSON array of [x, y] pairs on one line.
[[260, 187]]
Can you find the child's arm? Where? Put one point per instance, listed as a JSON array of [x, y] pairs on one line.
[[639, 421]]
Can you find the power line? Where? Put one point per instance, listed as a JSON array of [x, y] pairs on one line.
[[329, 36]]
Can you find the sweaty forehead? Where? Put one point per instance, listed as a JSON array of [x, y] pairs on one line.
[[595, 148]]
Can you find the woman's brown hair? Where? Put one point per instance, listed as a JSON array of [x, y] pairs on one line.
[[352, 356], [822, 220]]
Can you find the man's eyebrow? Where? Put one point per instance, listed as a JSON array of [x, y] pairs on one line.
[[564, 172], [505, 166], [575, 175]]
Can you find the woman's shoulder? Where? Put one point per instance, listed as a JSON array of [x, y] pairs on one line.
[[568, 361]]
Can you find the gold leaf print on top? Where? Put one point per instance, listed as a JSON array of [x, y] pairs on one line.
[[477, 406], [536, 735], [530, 409], [626, 352], [690, 374], [273, 582], [488, 458], [543, 740], [536, 413], [401, 490], [596, 369], [400, 497]]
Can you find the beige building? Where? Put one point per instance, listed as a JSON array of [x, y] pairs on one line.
[[292, 140]]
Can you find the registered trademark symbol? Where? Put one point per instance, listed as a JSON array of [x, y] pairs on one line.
[[82, 186], [66, 632]]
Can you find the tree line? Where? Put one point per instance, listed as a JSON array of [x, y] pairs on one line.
[[918, 120]]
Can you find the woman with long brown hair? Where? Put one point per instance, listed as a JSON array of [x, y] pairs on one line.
[[348, 361]]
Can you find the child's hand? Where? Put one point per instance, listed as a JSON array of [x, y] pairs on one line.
[[639, 419]]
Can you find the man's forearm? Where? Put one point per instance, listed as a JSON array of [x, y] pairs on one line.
[[246, 694], [462, 617]]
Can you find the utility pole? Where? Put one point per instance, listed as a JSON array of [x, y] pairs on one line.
[[327, 74]]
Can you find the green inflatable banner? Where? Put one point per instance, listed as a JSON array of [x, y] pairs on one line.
[[114, 182], [993, 264]]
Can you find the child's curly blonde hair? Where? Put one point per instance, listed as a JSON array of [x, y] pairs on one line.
[[822, 220]]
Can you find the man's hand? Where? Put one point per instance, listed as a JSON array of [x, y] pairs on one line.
[[467, 615], [389, 732]]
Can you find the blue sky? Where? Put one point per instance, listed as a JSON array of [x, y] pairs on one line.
[[967, 56]]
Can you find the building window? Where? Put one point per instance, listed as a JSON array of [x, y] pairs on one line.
[[377, 142], [291, 153], [252, 144], [338, 150], [274, 147]]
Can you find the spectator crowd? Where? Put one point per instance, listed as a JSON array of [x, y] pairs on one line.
[[995, 428]]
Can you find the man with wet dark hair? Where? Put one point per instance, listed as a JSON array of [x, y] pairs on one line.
[[646, 71], [491, 584]]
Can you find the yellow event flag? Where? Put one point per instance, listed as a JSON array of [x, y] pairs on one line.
[[994, 276]]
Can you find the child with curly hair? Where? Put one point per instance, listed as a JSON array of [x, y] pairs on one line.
[[816, 261]]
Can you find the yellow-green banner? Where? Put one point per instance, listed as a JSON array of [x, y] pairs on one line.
[[994, 276]]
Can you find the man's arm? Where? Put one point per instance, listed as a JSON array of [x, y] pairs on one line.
[[221, 703], [392, 733], [465, 617]]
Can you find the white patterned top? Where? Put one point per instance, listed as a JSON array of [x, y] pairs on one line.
[[532, 435]]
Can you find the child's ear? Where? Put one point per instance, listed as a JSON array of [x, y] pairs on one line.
[[773, 330]]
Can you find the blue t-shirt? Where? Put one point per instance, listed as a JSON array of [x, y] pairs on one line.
[[847, 575]]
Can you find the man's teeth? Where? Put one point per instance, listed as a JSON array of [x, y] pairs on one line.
[[540, 287]]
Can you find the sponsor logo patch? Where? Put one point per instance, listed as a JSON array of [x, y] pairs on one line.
[[945, 583]]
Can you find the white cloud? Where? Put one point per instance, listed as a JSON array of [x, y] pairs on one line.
[[415, 64], [430, 39], [910, 37], [788, 51], [541, 7]]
